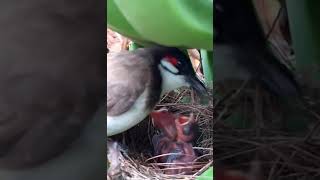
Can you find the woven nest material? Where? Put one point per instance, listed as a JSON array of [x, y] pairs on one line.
[[138, 162], [264, 149]]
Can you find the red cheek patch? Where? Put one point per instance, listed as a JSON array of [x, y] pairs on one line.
[[172, 60]]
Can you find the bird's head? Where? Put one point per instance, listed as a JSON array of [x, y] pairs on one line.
[[186, 128], [164, 120], [176, 70], [176, 127]]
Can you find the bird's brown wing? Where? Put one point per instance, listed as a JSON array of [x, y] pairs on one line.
[[128, 76]]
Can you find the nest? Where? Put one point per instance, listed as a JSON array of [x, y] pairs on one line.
[[138, 162]]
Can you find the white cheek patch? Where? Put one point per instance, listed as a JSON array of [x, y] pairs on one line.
[[171, 81], [169, 66]]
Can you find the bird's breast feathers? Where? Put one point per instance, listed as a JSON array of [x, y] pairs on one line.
[[136, 113]]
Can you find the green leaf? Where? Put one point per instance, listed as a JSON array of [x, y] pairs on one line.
[[133, 46], [207, 63], [207, 175], [186, 23]]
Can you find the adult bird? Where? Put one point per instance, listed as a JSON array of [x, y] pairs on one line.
[[52, 83], [137, 79]]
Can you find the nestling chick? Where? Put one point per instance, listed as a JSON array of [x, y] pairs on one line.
[[174, 141], [175, 127]]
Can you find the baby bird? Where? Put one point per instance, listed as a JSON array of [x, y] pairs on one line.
[[174, 143]]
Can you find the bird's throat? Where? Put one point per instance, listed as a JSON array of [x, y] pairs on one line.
[[171, 81]]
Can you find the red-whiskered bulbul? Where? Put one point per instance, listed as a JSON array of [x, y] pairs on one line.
[[137, 80]]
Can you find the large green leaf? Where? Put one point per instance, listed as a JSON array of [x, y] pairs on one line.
[[185, 23], [117, 21]]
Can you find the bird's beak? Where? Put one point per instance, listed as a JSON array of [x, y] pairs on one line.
[[197, 85]]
